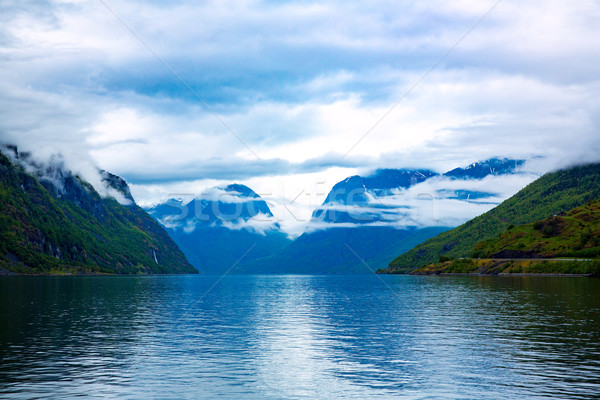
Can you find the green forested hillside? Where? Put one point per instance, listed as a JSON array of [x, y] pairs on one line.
[[78, 231], [555, 192], [574, 234], [568, 243]]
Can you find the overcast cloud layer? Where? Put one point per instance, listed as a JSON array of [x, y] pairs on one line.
[[176, 96]]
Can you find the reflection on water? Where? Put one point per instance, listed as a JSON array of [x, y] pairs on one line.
[[272, 337]]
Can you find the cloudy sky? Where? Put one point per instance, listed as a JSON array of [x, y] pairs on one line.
[[291, 97]]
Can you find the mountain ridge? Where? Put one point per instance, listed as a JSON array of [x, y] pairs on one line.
[[60, 224], [494, 166]]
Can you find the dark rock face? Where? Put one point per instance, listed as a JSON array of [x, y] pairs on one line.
[[551, 226], [10, 150], [117, 183], [397, 178]]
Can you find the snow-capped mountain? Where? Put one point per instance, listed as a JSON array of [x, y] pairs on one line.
[[354, 200], [390, 196], [493, 166], [222, 227], [233, 204]]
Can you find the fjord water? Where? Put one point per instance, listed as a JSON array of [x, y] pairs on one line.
[[297, 337]]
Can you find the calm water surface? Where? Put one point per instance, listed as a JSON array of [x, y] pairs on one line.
[[300, 337]]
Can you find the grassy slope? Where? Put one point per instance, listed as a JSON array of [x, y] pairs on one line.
[[554, 192], [577, 234], [43, 234]]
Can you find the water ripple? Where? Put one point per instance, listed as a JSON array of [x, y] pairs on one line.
[[299, 337]]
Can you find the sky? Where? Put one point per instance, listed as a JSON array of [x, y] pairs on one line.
[[291, 97]]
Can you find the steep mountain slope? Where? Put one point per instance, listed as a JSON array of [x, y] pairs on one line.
[[223, 229], [552, 193], [54, 222]]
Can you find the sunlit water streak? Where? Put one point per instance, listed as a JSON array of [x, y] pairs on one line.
[[297, 337]]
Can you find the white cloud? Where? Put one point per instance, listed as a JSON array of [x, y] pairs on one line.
[[301, 83], [260, 223]]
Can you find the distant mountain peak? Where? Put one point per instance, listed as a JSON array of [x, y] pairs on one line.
[[217, 229], [233, 209], [376, 198], [350, 190], [481, 169], [388, 178], [351, 178], [354, 189], [359, 196], [241, 190]]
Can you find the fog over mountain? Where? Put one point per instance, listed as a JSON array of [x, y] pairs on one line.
[[366, 221], [420, 198], [222, 228]]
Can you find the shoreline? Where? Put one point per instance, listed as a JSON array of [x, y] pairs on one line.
[[511, 267], [503, 274], [14, 274]]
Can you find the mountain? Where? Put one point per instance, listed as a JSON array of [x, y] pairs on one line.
[[55, 222], [365, 222], [223, 229], [340, 248], [359, 195], [493, 166], [553, 193]]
